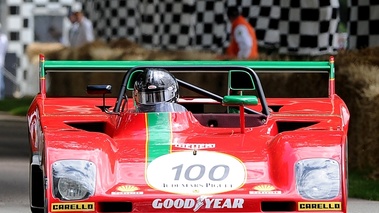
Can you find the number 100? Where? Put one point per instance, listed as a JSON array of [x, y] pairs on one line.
[[197, 171]]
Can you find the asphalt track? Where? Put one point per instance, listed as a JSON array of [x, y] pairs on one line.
[[14, 160]]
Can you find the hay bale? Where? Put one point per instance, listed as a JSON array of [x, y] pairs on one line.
[[106, 53], [65, 53], [33, 50], [135, 53], [359, 87], [123, 43], [366, 56]]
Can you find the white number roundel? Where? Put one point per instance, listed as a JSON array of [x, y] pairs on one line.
[[204, 173]]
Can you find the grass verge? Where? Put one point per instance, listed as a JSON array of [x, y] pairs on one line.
[[360, 186], [16, 106]]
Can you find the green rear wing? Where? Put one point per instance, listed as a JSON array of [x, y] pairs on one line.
[[123, 66]]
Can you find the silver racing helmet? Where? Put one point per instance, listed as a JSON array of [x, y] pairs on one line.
[[155, 85]]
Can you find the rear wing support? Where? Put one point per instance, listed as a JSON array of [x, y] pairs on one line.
[[42, 76], [331, 77]]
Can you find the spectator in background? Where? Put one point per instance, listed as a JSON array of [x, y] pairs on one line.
[[3, 51], [81, 30], [69, 25], [243, 43]]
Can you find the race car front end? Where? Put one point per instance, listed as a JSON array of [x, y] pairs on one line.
[[183, 182]]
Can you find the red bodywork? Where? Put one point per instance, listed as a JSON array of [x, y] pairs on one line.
[[175, 162], [119, 151]]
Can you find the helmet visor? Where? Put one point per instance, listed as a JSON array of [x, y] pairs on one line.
[[153, 97]]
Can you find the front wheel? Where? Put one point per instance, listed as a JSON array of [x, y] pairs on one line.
[[36, 187]]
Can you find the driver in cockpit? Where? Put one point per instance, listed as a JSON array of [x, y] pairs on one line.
[[156, 90]]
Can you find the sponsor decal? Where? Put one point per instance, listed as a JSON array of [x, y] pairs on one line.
[[127, 190], [331, 206], [80, 109], [201, 202], [73, 207], [205, 173], [186, 172], [265, 189], [194, 146]]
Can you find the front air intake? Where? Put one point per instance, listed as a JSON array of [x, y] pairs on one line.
[[115, 206], [278, 206]]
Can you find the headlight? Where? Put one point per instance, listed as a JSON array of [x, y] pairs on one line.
[[318, 178], [73, 179]]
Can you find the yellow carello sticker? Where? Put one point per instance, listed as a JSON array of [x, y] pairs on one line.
[[331, 206], [73, 207]]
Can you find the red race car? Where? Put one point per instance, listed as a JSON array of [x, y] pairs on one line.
[[163, 144]]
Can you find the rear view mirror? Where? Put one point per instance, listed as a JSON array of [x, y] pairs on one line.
[[240, 80], [132, 79], [99, 89]]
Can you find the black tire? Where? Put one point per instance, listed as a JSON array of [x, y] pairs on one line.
[[37, 210], [36, 189]]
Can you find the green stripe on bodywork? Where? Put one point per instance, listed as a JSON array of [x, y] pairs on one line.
[[158, 135]]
